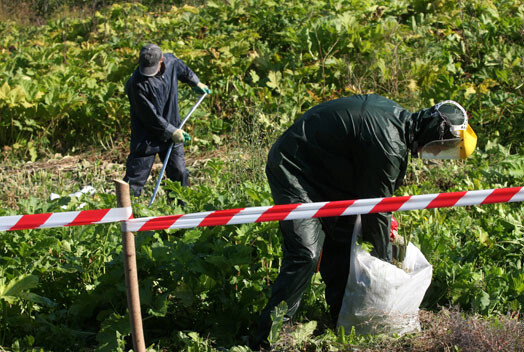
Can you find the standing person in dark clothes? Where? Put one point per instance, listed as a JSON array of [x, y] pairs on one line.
[[349, 148], [153, 95]]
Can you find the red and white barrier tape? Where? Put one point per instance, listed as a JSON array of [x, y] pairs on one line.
[[324, 209], [72, 218], [260, 214]]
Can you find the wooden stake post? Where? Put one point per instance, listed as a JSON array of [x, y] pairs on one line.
[[131, 275]]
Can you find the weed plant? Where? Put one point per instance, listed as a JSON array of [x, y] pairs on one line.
[[310, 52], [201, 289]]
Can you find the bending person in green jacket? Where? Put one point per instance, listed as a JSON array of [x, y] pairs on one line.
[[349, 148]]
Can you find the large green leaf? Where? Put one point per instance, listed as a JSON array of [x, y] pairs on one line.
[[15, 288]]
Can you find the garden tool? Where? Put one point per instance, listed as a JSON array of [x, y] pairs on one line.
[[171, 148]]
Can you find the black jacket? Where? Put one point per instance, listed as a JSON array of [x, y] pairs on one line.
[[154, 105], [349, 148]]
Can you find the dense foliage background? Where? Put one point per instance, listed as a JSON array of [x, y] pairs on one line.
[[62, 83], [61, 91]]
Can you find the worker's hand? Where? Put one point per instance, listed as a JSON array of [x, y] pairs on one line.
[[180, 136], [201, 88], [187, 137]]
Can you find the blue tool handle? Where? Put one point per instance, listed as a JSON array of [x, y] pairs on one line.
[[171, 148]]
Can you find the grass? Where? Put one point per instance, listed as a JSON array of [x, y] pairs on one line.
[[64, 174], [244, 151], [447, 330], [442, 330], [28, 12], [60, 174]]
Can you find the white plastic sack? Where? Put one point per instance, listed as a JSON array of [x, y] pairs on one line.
[[381, 298]]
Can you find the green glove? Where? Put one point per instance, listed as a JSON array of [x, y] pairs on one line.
[[186, 135], [180, 136], [201, 88]]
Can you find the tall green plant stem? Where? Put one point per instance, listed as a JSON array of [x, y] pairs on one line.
[[4, 323]]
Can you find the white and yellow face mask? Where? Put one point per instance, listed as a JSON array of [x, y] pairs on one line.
[[460, 146]]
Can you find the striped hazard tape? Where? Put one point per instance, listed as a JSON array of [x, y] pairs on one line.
[[72, 218], [324, 209], [260, 214]]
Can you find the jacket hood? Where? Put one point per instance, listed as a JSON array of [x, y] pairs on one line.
[[426, 125], [416, 125]]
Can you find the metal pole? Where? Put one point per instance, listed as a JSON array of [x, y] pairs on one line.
[[171, 148], [192, 109], [130, 271]]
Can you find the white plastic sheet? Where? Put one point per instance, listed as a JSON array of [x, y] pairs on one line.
[[85, 190], [381, 298]]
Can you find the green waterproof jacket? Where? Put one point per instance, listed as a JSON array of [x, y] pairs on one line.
[[349, 148]]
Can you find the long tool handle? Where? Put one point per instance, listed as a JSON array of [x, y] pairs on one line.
[[166, 159], [192, 109]]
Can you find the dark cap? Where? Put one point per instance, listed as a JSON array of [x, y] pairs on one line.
[[149, 61]]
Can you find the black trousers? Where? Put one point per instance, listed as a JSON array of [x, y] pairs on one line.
[[138, 168], [303, 242]]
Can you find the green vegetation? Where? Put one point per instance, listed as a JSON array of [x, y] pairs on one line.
[[61, 91], [62, 83]]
